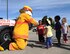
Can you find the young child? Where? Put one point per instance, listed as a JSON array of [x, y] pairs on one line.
[[48, 34], [58, 29], [40, 31], [64, 29]]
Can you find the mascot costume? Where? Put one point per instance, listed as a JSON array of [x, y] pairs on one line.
[[21, 29]]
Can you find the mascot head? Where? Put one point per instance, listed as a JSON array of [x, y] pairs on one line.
[[26, 9]]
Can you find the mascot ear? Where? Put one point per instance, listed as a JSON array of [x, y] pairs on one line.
[[21, 11]]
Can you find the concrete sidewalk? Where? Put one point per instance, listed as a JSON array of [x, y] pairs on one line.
[[37, 48]]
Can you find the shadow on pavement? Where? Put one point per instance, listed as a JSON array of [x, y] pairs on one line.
[[32, 41], [63, 46], [33, 45]]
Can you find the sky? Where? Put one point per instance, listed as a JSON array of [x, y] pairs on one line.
[[51, 8]]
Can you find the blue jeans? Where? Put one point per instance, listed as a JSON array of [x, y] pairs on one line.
[[48, 42]]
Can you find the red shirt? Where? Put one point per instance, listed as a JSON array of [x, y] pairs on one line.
[[40, 29]]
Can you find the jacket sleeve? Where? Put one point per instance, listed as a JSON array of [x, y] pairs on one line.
[[31, 20]]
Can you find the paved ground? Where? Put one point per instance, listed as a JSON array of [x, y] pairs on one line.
[[37, 48]]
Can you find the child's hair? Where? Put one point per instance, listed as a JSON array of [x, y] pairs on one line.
[[64, 20], [51, 20], [57, 17], [69, 26], [44, 19], [40, 21]]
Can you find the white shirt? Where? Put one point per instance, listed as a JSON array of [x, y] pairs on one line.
[[64, 29]]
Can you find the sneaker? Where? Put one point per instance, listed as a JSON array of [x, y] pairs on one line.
[[59, 45], [51, 45], [46, 47]]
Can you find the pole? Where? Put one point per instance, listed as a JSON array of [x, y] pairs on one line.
[[7, 9]]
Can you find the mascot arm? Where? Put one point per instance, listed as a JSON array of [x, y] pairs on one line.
[[31, 20]]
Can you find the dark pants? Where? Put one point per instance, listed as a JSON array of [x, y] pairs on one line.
[[58, 36], [48, 42], [65, 37], [41, 38]]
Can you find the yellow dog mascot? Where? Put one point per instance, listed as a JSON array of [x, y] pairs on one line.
[[21, 29]]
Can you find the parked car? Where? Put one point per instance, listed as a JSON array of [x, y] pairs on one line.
[[34, 29], [6, 30]]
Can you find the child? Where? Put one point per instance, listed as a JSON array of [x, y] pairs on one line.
[[40, 31], [64, 29], [48, 34], [58, 29]]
